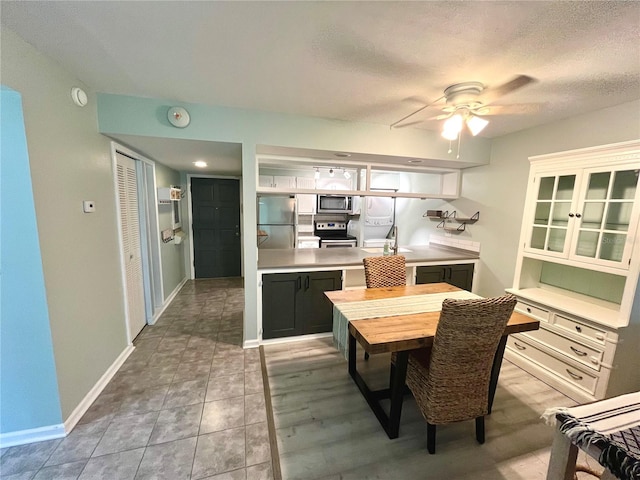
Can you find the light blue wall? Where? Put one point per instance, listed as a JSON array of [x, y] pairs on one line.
[[28, 383], [70, 162], [126, 115]]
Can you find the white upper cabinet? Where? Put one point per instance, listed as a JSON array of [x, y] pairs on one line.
[[334, 183], [287, 182], [363, 179], [306, 201], [585, 215]]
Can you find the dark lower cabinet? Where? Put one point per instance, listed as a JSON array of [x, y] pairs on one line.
[[295, 304], [460, 276]]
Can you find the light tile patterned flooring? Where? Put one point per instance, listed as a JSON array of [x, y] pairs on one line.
[[187, 404]]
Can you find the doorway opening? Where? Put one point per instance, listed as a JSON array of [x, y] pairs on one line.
[[215, 224], [134, 178]]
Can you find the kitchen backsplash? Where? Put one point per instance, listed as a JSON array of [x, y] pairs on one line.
[[454, 243]]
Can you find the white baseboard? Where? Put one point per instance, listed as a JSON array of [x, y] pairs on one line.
[[31, 435], [299, 338], [90, 397], [168, 301], [251, 344]]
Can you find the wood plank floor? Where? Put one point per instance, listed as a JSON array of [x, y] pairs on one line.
[[326, 431]]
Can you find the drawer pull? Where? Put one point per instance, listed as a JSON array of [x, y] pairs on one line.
[[578, 352], [518, 346], [599, 336], [578, 329], [574, 375], [528, 309]]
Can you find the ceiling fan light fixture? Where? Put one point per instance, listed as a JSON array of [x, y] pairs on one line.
[[476, 124], [452, 127]]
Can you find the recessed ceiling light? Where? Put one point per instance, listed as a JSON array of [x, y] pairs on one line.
[[342, 154], [414, 160], [200, 164]]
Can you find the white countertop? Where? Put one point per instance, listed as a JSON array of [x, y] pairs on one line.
[[333, 258]]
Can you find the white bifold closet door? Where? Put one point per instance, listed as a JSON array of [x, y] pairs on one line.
[[130, 227]]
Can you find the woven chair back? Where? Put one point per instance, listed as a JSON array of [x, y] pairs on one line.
[[456, 385], [389, 271]]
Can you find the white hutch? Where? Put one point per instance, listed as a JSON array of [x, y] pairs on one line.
[[577, 272]]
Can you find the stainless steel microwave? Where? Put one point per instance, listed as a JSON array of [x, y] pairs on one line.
[[335, 204]]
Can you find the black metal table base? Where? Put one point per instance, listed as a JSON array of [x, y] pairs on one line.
[[396, 390]]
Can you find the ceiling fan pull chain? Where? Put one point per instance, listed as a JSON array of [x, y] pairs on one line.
[[459, 140], [449, 151]]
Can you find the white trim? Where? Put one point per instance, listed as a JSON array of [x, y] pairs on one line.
[[61, 430], [91, 396], [168, 301], [155, 260], [32, 435], [298, 338], [251, 344]]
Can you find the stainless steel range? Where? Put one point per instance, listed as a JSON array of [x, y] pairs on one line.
[[333, 234]]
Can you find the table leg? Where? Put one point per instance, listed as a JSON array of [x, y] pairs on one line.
[[495, 370], [391, 422], [352, 355], [562, 464]]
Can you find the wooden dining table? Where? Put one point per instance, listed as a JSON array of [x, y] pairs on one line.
[[400, 324]]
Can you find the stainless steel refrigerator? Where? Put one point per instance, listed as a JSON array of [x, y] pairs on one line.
[[276, 221]]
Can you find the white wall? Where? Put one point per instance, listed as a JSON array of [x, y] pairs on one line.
[[70, 162], [173, 266], [498, 190]]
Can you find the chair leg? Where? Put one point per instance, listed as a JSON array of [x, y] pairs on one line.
[[431, 438], [480, 429], [366, 356]]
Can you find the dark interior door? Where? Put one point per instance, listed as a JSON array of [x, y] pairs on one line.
[[216, 227]]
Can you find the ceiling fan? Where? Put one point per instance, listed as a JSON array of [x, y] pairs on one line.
[[466, 103]]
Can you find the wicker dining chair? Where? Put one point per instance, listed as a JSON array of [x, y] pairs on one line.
[[389, 271], [452, 383]]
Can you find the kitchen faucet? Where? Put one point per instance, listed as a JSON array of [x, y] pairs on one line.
[[395, 240]]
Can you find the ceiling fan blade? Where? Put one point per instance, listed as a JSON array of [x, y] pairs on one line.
[[492, 94], [408, 124], [398, 123], [513, 109]]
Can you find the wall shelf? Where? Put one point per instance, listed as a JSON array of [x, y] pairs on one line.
[[166, 195], [447, 218]]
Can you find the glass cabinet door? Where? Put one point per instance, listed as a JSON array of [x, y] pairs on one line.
[[605, 218], [552, 215]]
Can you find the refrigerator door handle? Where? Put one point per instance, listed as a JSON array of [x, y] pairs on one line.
[[299, 283], [306, 283]]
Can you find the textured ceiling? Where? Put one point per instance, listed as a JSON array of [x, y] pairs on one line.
[[362, 61]]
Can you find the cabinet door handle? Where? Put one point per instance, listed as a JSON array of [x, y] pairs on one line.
[[518, 346], [578, 215], [575, 376], [299, 283], [306, 284], [580, 353], [571, 215]]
